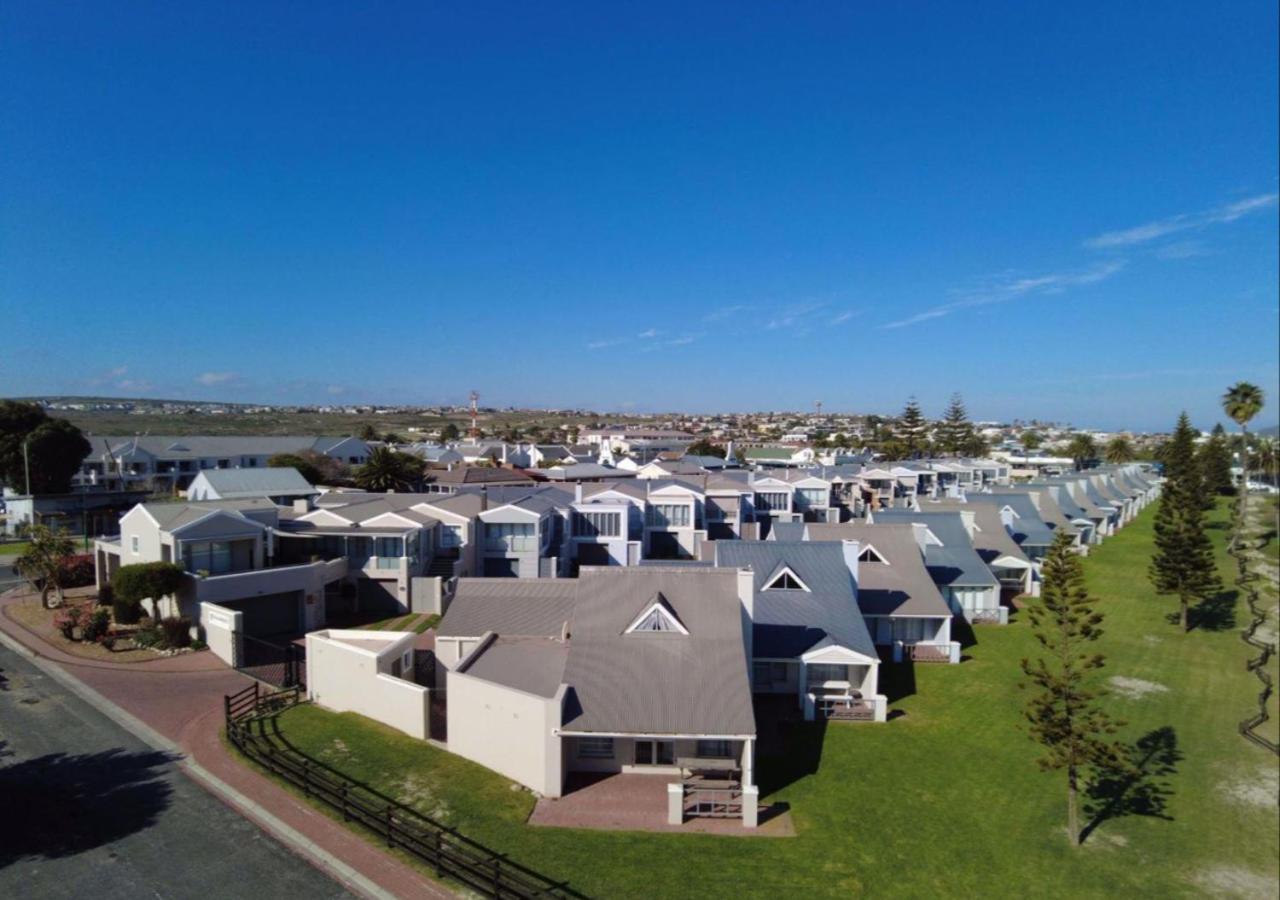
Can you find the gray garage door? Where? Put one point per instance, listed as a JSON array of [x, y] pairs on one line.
[[270, 613], [379, 596]]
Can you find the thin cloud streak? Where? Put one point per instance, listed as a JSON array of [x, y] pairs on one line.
[[1150, 231], [1008, 290]]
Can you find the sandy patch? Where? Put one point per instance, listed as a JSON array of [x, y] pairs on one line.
[[1135, 688], [1262, 790], [1153, 639], [1232, 881], [416, 793]]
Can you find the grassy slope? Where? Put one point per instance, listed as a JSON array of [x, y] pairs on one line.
[[946, 799]]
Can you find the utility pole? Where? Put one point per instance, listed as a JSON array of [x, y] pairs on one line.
[[26, 463], [475, 416]]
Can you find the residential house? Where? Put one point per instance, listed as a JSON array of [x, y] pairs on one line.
[[282, 486]]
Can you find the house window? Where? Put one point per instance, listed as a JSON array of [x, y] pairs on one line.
[[657, 619], [908, 630], [786, 580], [597, 524], [450, 537], [773, 501], [510, 536], [224, 464], [213, 557], [668, 515], [812, 497], [133, 545], [714, 750], [870, 555], [595, 748], [818, 673], [768, 674]]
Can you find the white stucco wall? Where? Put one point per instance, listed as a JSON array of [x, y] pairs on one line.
[[507, 730], [345, 677]]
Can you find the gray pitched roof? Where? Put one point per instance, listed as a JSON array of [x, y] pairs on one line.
[[642, 682], [231, 484], [955, 563], [1028, 529], [990, 539], [787, 531], [787, 623], [901, 586], [208, 446]]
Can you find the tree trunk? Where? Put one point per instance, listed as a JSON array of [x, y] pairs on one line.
[[1244, 485], [44, 596], [1182, 614], [1073, 812]]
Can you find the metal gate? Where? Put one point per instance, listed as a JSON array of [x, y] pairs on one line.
[[281, 664]]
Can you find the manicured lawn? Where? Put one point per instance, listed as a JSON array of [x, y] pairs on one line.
[[946, 799]]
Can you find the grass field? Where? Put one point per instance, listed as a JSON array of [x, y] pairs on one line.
[[944, 800]]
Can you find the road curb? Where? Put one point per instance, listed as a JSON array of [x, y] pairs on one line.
[[282, 832]]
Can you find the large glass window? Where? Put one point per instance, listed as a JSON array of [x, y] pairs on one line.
[[812, 497], [818, 673], [214, 557], [669, 515], [450, 537], [510, 536], [597, 524], [773, 501], [908, 630], [595, 748], [715, 750]]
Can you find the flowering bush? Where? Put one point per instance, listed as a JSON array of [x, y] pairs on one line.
[[70, 618], [94, 625], [77, 571]]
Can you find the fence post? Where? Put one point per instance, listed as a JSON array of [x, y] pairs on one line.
[[439, 853], [306, 778], [390, 840], [497, 875], [343, 796]]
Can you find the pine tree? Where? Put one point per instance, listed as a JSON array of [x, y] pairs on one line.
[[1064, 717], [913, 429], [1215, 464], [1183, 564], [955, 432]]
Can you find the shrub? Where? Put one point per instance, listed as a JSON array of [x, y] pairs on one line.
[[106, 596], [146, 637], [125, 612], [142, 581], [95, 624], [198, 644], [69, 618], [77, 571], [176, 630], [107, 641]]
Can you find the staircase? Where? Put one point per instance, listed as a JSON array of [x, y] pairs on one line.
[[442, 567]]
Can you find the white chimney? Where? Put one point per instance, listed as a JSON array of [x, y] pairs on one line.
[[577, 492], [850, 550]]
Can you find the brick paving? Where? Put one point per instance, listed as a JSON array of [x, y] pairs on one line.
[[181, 697]]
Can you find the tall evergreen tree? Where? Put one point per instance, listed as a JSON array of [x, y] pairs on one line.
[[1183, 564], [1063, 715], [955, 432], [1215, 464], [913, 429]]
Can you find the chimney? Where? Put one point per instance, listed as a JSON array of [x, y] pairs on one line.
[[919, 532], [302, 505], [969, 517], [577, 492], [850, 549], [747, 596]]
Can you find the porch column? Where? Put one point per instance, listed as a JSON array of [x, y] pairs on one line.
[[748, 762], [802, 688]]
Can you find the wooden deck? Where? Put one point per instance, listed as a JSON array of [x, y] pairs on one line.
[[924, 653]]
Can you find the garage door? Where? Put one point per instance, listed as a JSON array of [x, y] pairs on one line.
[[270, 613], [379, 596]]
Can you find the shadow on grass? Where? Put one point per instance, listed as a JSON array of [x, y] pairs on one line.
[[790, 748], [1138, 789], [1218, 613], [59, 805], [963, 632], [897, 680]]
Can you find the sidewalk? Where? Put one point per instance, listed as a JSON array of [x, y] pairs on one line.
[[176, 702]]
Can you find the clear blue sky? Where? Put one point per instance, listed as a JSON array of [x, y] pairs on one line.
[[1060, 210]]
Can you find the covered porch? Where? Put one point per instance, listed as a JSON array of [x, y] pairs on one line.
[[917, 638], [835, 682]]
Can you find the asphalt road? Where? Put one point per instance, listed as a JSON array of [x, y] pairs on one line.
[[88, 810]]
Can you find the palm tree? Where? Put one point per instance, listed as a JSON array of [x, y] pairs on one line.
[[42, 565], [1265, 457], [1242, 402], [1081, 449], [387, 470], [1118, 450]]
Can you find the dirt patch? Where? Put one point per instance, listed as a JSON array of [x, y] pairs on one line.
[[1153, 639], [1263, 790], [1233, 881], [1135, 688], [416, 793]]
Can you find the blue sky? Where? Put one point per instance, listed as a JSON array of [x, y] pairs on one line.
[[1065, 211]]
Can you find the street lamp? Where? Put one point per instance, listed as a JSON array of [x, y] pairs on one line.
[[26, 462]]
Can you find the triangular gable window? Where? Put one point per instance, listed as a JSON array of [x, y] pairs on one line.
[[786, 580], [871, 555], [658, 616]]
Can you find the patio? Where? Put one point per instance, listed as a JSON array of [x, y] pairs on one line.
[[629, 802]]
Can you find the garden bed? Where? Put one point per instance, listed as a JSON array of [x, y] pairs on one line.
[[35, 618]]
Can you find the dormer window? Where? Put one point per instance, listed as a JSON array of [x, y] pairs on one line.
[[785, 580], [871, 555], [658, 616]]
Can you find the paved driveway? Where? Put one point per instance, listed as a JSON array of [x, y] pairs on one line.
[[88, 810]]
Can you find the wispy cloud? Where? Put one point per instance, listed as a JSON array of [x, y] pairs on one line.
[[648, 334], [211, 378], [1183, 250], [1006, 288], [607, 342], [845, 316], [1150, 231], [336, 389], [681, 341], [117, 372], [725, 312]]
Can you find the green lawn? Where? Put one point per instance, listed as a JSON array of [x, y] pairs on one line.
[[945, 799]]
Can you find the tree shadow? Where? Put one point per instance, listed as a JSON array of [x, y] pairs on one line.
[[1217, 613], [1137, 787], [59, 805]]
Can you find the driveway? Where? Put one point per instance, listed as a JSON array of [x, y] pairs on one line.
[[90, 810]]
